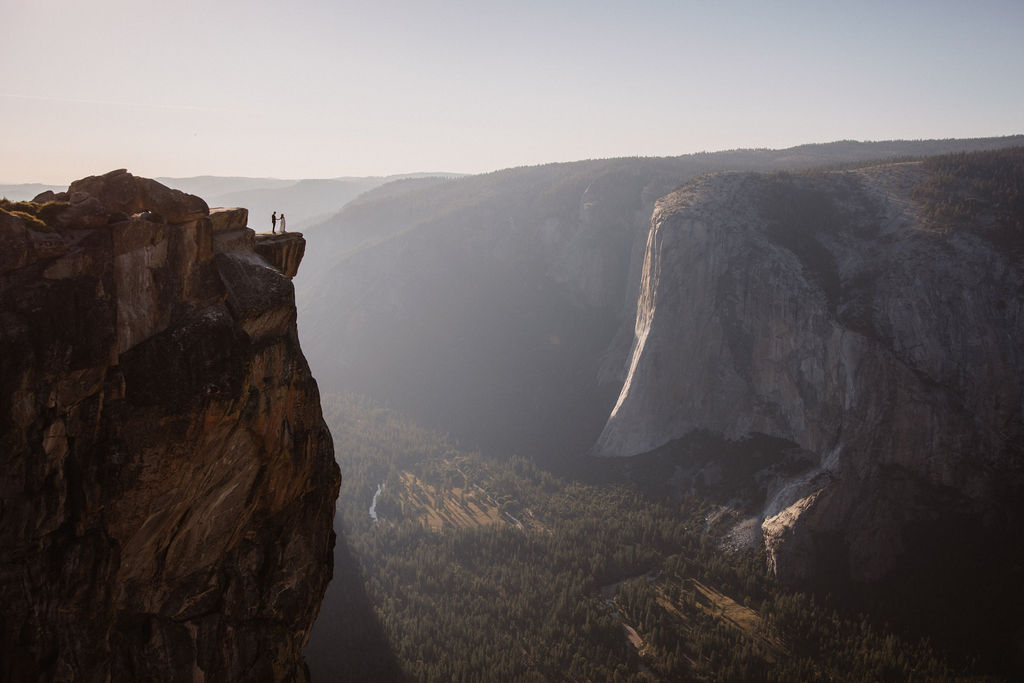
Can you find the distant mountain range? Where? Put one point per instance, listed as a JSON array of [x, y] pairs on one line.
[[302, 201], [25, 191]]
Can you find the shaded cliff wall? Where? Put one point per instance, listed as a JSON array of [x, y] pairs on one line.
[[169, 482], [826, 311]]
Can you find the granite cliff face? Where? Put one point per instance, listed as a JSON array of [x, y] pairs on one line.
[[169, 483], [484, 306], [499, 308], [827, 310]]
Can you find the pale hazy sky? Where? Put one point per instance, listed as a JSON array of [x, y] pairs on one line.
[[308, 89]]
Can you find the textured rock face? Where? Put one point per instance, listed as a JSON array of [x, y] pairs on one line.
[[168, 493], [284, 252], [824, 310]]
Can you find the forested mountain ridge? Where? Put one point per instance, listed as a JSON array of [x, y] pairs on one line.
[[303, 201]]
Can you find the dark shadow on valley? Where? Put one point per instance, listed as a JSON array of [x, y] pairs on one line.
[[348, 642]]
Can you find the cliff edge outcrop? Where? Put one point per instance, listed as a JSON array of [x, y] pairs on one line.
[[833, 311], [168, 493]]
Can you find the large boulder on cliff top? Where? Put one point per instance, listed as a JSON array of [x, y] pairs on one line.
[[119, 192]]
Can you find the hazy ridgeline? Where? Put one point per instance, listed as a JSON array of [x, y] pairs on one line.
[[500, 308]]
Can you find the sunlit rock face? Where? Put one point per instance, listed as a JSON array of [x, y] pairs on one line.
[[169, 483], [825, 310]]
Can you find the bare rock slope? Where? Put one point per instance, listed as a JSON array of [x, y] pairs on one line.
[[830, 311], [169, 483]]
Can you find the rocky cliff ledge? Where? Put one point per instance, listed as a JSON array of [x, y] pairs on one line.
[[284, 252], [169, 483], [832, 311]]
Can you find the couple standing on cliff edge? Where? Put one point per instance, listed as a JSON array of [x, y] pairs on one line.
[[274, 221]]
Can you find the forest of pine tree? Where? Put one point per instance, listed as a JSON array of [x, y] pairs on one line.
[[480, 569]]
